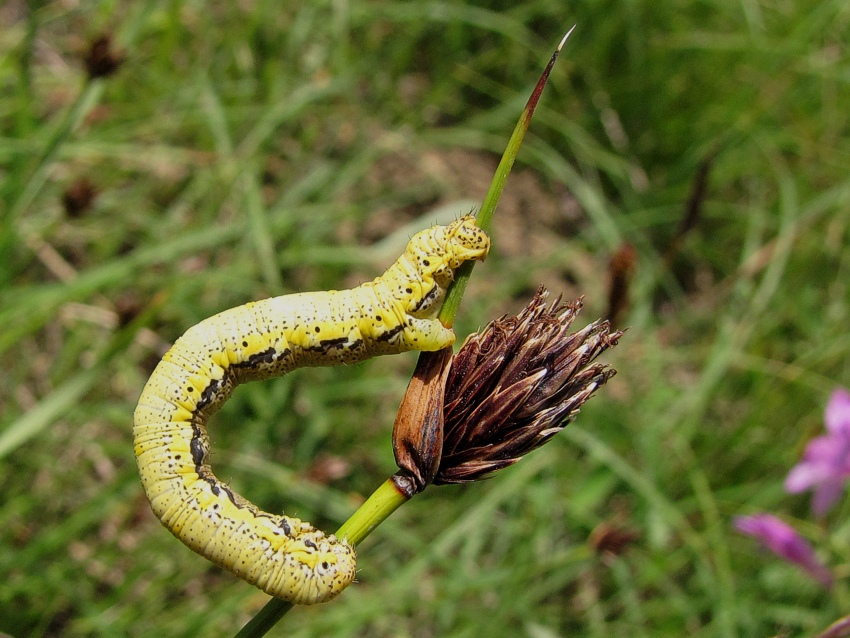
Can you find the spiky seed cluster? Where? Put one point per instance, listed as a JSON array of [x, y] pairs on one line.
[[514, 385]]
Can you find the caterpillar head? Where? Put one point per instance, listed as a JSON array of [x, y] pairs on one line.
[[465, 241], [419, 279], [437, 251]]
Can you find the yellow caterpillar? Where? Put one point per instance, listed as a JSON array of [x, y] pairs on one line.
[[397, 312]]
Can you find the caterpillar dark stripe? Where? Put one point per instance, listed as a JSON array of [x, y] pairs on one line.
[[397, 312]]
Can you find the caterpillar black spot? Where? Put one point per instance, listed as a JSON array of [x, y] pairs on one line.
[[396, 312]]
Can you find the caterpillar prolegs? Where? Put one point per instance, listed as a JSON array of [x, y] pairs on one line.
[[397, 312]]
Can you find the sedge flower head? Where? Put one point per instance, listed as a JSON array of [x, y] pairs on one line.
[[516, 384], [507, 391]]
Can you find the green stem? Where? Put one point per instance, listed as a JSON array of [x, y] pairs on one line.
[[377, 508], [488, 207], [265, 619], [388, 497]]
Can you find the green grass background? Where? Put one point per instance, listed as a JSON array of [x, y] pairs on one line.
[[258, 148]]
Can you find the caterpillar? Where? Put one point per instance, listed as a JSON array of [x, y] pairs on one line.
[[396, 312]]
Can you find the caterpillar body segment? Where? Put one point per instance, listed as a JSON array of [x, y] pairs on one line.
[[397, 312]]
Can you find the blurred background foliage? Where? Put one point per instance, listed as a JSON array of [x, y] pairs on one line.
[[687, 171]]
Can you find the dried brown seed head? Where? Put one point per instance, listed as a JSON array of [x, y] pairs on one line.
[[516, 384], [508, 390], [79, 197], [101, 59]]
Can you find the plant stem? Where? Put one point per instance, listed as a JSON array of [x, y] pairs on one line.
[[488, 207], [374, 511], [377, 508], [388, 497]]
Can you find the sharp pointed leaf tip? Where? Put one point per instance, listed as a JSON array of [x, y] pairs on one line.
[[567, 35]]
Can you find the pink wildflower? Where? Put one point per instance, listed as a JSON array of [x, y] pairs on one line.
[[784, 541], [826, 462]]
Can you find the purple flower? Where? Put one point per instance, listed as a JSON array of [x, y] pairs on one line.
[[826, 461], [784, 541]]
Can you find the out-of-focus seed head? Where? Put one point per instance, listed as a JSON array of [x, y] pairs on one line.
[[79, 197], [611, 538], [517, 383], [621, 268], [101, 58]]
